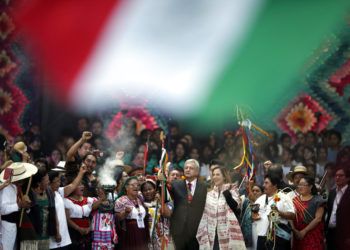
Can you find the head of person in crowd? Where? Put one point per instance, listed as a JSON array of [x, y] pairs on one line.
[[19, 152], [221, 155], [189, 139], [257, 191], [98, 142], [124, 176], [267, 164], [90, 162], [311, 169], [212, 141], [194, 153], [300, 138], [286, 141], [180, 151], [55, 180], [191, 169], [229, 139], [309, 155], [130, 188], [271, 151], [307, 186], [342, 177], [138, 159], [213, 164], [220, 176], [174, 174], [97, 127], [55, 157], [155, 136], [83, 124], [84, 149], [207, 154], [311, 139], [297, 173], [271, 184], [322, 154], [68, 141], [138, 173], [343, 157], [149, 190], [174, 130], [79, 190], [42, 163], [334, 139], [287, 156], [40, 181], [277, 170], [298, 154]]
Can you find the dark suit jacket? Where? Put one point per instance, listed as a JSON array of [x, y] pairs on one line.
[[342, 230], [186, 216]]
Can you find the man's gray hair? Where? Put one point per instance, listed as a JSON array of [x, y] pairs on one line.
[[192, 161]]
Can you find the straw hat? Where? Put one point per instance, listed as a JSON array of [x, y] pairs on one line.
[[21, 170], [297, 170], [20, 147]]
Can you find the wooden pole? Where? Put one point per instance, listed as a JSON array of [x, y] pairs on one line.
[[27, 192]]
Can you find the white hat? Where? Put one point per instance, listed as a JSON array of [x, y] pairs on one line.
[[21, 170], [60, 167]]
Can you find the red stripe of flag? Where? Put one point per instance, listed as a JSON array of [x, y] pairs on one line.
[[62, 35]]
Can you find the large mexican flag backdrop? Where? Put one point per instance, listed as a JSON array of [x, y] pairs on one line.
[[194, 59]]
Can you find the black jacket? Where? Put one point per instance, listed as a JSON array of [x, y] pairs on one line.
[[186, 216]]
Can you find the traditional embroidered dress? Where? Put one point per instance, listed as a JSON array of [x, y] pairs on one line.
[[79, 217], [134, 233], [219, 219], [154, 224], [104, 235], [305, 213]]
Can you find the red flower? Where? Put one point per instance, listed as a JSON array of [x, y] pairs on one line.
[[303, 114], [276, 198]]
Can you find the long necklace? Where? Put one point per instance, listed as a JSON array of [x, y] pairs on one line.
[[136, 205]]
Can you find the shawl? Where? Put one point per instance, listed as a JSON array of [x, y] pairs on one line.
[[218, 217]]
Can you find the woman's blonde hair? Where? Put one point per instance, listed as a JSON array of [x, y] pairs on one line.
[[224, 172]]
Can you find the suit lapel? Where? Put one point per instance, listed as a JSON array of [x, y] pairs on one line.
[[345, 196], [197, 190]]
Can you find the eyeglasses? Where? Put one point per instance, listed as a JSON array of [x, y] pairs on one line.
[[90, 161], [134, 185]]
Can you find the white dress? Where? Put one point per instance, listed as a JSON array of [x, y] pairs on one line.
[[8, 205]]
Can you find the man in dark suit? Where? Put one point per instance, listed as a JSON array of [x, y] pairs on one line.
[[338, 218], [189, 199]]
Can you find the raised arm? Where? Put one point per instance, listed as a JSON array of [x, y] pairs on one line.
[[74, 149], [71, 187]]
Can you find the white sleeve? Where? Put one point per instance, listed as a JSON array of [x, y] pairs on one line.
[[235, 196], [8, 201], [61, 191], [75, 211], [287, 204]]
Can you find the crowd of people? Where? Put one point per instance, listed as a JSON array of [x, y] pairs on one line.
[[88, 191]]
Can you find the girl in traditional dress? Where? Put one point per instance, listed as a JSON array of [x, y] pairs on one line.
[[148, 190], [219, 227], [104, 235], [308, 226], [78, 209]]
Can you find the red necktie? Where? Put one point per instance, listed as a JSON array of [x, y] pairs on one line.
[[189, 193]]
